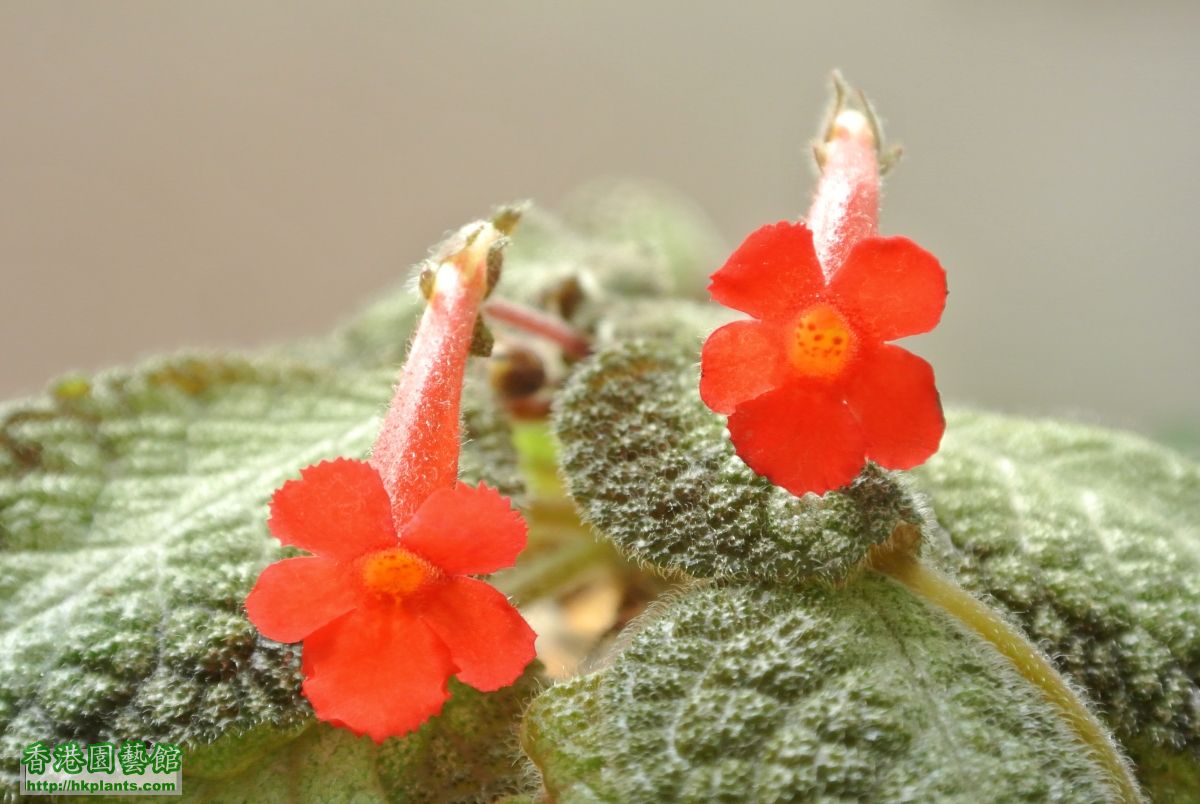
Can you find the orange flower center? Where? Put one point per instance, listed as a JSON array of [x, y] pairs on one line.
[[396, 573], [822, 342]]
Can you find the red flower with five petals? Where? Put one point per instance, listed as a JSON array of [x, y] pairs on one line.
[[387, 618], [811, 386], [384, 606]]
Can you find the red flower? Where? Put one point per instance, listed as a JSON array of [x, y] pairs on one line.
[[384, 606], [387, 618], [811, 387]]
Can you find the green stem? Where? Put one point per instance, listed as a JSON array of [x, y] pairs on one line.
[[941, 591]]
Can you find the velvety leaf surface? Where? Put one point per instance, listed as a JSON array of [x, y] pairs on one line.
[[652, 469], [1090, 539], [816, 694], [461, 757]]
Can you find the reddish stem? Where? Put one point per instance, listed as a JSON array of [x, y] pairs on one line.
[[539, 323], [846, 206], [417, 449]]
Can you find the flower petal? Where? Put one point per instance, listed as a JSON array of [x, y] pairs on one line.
[[296, 596], [771, 274], [894, 398], [376, 671], [337, 509], [892, 286], [800, 437], [488, 639], [740, 361], [466, 530]]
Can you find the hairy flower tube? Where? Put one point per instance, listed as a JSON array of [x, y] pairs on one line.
[[811, 385], [384, 605]]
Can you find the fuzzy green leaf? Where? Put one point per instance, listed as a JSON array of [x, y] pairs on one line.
[[653, 470], [465, 755], [762, 694], [1090, 539]]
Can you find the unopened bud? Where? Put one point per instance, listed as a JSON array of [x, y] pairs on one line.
[[516, 372], [565, 297]]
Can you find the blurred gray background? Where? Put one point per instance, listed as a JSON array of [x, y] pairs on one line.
[[231, 173]]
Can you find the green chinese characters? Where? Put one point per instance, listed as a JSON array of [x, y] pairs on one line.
[[133, 757]]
